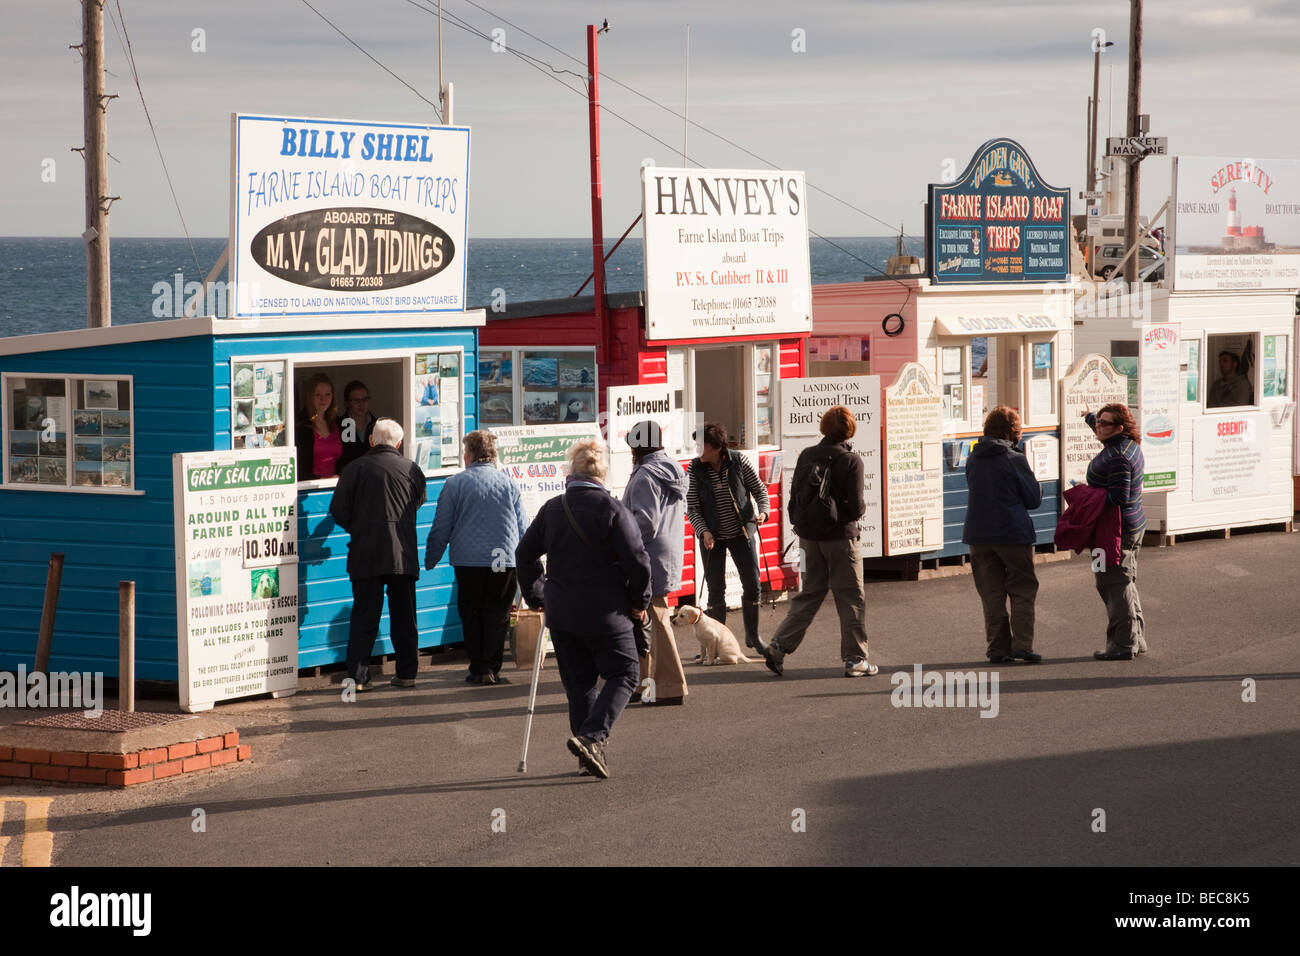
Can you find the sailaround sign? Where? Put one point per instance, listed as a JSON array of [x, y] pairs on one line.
[[998, 222], [336, 216]]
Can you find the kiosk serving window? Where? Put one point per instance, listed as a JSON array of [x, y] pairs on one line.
[[738, 387], [69, 432], [537, 386], [1230, 374], [423, 391]]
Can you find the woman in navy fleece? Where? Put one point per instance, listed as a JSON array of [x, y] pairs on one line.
[[1119, 468]]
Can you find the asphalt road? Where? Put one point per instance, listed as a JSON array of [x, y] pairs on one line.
[[808, 769]]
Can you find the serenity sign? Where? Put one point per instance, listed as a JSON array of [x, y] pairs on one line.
[[335, 217]]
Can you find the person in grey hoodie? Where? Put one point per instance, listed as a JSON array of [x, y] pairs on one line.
[[656, 496], [1002, 490]]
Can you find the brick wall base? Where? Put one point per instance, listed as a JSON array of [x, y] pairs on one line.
[[23, 765]]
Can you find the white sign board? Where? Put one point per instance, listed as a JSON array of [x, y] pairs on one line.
[[236, 520], [1043, 452], [726, 253], [1092, 383], [535, 457], [1230, 456], [1235, 223], [628, 404], [331, 217], [913, 462], [1160, 393], [803, 401]]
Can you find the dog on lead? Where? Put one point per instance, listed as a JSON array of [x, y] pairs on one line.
[[717, 644]]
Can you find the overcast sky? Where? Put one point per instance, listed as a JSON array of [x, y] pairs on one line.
[[881, 95]]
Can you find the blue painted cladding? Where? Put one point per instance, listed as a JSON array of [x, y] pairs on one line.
[[324, 590], [956, 497], [107, 537], [181, 402]]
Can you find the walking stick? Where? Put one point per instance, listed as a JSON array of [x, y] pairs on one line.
[[532, 694]]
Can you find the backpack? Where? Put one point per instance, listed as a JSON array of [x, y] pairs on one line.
[[813, 508]]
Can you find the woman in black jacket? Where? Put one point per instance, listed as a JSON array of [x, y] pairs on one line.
[[1001, 492], [595, 592], [725, 503]]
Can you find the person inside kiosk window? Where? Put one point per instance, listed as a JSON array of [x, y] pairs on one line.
[[1231, 387], [359, 423], [726, 502], [317, 435]]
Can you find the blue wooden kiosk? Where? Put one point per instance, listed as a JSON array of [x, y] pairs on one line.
[[90, 419]]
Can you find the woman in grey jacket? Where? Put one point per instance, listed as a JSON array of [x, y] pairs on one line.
[[656, 496]]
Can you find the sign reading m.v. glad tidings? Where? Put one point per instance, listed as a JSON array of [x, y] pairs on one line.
[[337, 216], [998, 222]]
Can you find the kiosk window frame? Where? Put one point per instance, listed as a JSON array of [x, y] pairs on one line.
[[515, 391], [748, 355], [88, 435], [954, 384], [1040, 417], [402, 362], [1248, 355]]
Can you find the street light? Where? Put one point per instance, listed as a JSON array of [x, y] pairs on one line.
[[1098, 46]]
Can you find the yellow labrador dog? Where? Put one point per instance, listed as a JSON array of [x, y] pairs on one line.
[[717, 644]]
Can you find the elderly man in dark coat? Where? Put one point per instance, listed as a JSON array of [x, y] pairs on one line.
[[375, 501]]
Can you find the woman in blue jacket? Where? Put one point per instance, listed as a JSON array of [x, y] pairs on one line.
[[480, 513], [1001, 492]]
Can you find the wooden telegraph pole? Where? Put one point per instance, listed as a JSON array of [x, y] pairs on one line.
[[597, 210], [95, 153], [1134, 111]]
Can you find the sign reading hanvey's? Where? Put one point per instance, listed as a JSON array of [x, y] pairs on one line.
[[332, 216], [726, 253], [998, 222]]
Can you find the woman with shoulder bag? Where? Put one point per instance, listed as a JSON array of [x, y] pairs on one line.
[[595, 592]]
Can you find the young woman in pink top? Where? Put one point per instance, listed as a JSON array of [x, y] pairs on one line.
[[319, 441]]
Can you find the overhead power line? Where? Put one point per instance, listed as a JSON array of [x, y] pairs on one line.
[[374, 59]]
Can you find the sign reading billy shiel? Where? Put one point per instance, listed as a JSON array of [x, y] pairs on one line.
[[332, 215], [998, 222]]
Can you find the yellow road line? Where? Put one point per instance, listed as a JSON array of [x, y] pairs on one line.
[[38, 841]]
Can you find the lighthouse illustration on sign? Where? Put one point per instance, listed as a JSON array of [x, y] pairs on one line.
[[1237, 239]]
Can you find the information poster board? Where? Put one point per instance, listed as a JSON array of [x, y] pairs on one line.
[[1160, 388], [1230, 456], [1092, 383], [236, 574], [436, 409], [726, 253], [535, 456], [803, 402], [913, 462]]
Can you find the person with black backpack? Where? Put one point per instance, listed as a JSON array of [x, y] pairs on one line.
[[826, 501]]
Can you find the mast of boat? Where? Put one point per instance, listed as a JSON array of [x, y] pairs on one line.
[[94, 111]]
